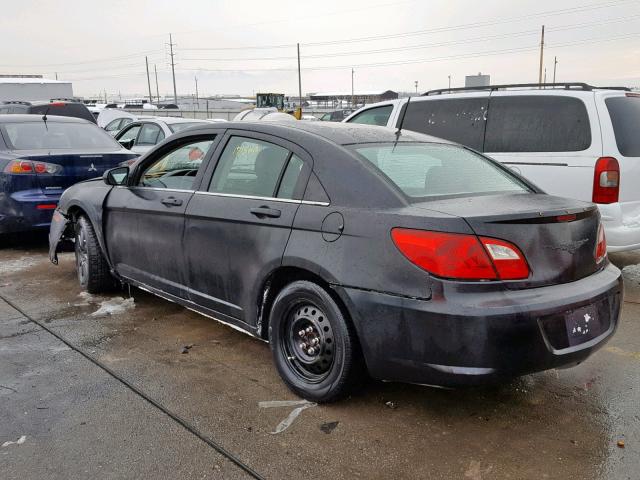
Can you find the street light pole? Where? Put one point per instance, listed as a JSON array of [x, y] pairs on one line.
[[299, 112], [352, 96], [555, 63], [416, 83]]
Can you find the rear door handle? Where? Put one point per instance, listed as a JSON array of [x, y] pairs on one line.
[[265, 211], [171, 202]]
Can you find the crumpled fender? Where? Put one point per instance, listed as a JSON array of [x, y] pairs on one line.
[[59, 224]]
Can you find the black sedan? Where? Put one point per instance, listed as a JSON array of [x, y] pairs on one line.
[[353, 249]]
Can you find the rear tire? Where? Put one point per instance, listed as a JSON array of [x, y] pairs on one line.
[[92, 268], [314, 346]]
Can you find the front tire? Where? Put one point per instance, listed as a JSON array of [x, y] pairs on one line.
[[91, 266], [314, 346]]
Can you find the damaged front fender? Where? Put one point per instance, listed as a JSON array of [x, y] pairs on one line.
[[59, 225]]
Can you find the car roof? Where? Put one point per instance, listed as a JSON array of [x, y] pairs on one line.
[[175, 119], [24, 118], [336, 132]]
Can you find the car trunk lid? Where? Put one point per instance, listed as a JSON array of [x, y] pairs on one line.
[[74, 166], [557, 236]]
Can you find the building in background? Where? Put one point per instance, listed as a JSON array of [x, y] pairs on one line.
[[33, 87], [330, 99], [477, 80]]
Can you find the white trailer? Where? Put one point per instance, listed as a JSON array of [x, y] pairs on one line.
[[33, 88]]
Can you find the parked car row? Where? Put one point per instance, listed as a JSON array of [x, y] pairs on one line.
[[573, 140]]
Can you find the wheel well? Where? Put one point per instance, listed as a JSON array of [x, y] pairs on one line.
[[280, 278]]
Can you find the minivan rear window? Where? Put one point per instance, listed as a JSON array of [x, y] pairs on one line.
[[435, 170], [625, 118], [537, 123]]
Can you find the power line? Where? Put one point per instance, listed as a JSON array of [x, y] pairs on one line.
[[424, 45]]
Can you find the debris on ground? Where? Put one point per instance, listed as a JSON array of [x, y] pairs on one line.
[[186, 348], [286, 423], [114, 306], [391, 405], [620, 444], [328, 427], [20, 441]]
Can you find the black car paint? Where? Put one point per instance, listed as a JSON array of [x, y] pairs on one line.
[[412, 326]]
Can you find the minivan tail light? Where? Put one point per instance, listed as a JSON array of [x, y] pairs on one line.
[[461, 256], [601, 245], [606, 180]]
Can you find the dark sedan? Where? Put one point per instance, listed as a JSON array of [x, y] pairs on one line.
[[353, 249], [42, 155]]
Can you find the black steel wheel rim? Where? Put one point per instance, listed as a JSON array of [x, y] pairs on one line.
[[308, 342], [82, 255]]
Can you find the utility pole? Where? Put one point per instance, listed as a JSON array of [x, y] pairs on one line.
[[555, 63], [544, 81], [541, 56], [146, 59], [155, 69], [449, 81], [197, 101], [299, 112], [352, 95], [173, 71], [56, 75], [105, 96], [416, 84]]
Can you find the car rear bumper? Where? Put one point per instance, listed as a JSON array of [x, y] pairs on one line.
[[469, 337], [26, 210], [621, 225]]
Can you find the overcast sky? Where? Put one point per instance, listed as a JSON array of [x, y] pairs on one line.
[[390, 44]]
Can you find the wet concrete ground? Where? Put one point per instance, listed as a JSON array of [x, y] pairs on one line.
[[72, 419]]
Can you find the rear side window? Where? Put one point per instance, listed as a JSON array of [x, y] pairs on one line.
[[537, 123], [249, 167], [460, 120], [434, 170], [625, 117], [374, 116]]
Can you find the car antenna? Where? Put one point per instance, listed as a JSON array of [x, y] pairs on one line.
[[44, 117], [401, 122]]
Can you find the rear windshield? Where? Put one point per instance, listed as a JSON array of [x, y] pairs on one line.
[[625, 117], [178, 127], [76, 110], [435, 170], [57, 136]]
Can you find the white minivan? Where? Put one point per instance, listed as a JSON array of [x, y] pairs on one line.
[[572, 140]]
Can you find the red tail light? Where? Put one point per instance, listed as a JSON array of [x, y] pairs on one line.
[[460, 256], [606, 180], [601, 246], [26, 167]]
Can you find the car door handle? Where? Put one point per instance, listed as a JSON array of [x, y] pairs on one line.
[[171, 202], [265, 211]]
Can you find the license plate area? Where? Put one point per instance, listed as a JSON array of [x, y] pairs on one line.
[[582, 325]]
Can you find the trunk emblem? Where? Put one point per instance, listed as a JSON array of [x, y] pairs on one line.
[[571, 247], [92, 168]]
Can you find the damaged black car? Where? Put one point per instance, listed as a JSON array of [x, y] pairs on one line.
[[352, 250]]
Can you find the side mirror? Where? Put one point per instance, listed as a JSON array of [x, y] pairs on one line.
[[116, 176], [128, 144]]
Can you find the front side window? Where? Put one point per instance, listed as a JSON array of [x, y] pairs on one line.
[[178, 168], [459, 120], [249, 167], [374, 116], [625, 118], [149, 134], [423, 170], [537, 123], [130, 133]]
